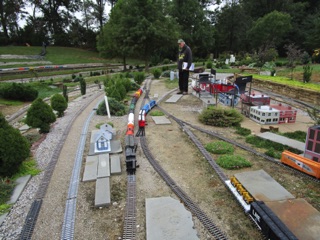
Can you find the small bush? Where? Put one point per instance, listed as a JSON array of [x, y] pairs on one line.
[[14, 148], [243, 131], [156, 73], [220, 117], [166, 61], [164, 68], [219, 147], [233, 162], [18, 91], [4, 208], [267, 144], [209, 65], [28, 167], [297, 135], [59, 104], [156, 113], [6, 189], [40, 115], [139, 77], [307, 73], [272, 153], [116, 108], [83, 86]]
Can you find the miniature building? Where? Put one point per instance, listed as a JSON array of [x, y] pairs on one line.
[[241, 83], [103, 138], [287, 114], [264, 114], [252, 99], [255, 98], [228, 99], [312, 150], [245, 108], [102, 143]]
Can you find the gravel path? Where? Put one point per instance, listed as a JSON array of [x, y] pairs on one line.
[[12, 226]]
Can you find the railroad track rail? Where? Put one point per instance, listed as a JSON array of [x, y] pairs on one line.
[[33, 213], [191, 205], [129, 231]]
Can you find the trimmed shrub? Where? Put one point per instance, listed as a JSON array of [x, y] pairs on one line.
[[19, 91], [156, 73], [156, 113], [209, 65], [243, 131], [59, 104], [83, 86], [220, 117], [116, 108], [307, 73], [14, 148], [272, 153], [219, 147], [139, 77], [65, 92], [40, 115], [297, 135], [233, 162]]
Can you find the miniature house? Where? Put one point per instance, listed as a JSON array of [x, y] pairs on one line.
[[103, 138], [312, 150], [102, 142]]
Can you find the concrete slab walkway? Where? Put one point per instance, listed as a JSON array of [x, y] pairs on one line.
[[283, 140], [167, 218]]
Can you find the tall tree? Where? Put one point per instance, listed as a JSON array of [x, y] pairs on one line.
[[112, 2], [9, 15], [232, 26], [257, 9], [138, 28], [195, 26], [58, 15], [98, 13], [270, 29]]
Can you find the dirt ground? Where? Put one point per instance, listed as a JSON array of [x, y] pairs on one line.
[[183, 162]]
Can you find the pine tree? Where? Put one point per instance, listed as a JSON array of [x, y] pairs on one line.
[[40, 115]]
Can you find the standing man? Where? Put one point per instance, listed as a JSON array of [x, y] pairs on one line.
[[184, 63]]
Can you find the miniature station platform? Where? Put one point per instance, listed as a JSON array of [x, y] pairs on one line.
[[298, 215]]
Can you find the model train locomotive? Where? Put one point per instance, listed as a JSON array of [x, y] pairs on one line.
[[130, 144]]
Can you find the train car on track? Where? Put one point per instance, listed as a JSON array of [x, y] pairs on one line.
[[277, 213], [301, 163], [309, 163], [130, 144]]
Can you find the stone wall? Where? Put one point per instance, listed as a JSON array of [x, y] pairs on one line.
[[305, 95]]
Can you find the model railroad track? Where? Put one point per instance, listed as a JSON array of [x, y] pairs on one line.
[[50, 68], [33, 213], [247, 148], [252, 150], [23, 110], [129, 228], [191, 205], [288, 100]]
